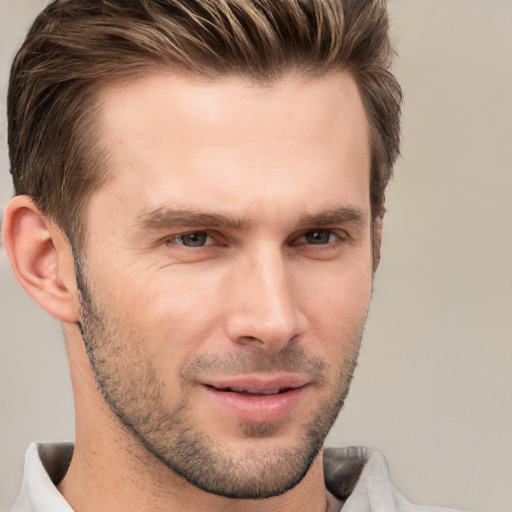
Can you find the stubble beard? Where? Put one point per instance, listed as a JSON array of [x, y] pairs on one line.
[[129, 382]]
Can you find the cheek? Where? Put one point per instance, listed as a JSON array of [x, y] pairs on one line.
[[337, 302], [345, 287], [178, 310]]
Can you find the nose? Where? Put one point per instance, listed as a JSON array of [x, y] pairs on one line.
[[262, 303]]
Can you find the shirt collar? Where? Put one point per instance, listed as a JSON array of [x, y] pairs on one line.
[[356, 476], [38, 490]]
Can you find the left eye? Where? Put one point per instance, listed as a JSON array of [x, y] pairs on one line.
[[318, 237], [196, 239]]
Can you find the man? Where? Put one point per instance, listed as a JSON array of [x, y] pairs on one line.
[[199, 200]]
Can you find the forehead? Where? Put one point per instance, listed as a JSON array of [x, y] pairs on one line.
[[231, 109], [174, 137]]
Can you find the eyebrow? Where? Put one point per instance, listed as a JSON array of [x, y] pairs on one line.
[[162, 218], [341, 215], [166, 217]]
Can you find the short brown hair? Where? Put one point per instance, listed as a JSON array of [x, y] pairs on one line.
[[76, 45]]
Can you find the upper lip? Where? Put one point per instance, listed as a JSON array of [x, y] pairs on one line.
[[257, 383]]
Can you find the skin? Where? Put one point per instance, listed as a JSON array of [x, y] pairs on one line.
[[271, 283]]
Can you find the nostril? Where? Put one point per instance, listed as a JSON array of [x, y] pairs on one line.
[[253, 338]]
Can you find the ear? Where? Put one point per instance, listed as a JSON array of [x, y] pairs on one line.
[[41, 259], [378, 223]]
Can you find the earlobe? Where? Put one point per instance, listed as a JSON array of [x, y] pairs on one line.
[[41, 258]]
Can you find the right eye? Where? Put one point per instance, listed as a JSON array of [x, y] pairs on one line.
[[193, 239]]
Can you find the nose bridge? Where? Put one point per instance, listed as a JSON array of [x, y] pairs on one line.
[[263, 310]]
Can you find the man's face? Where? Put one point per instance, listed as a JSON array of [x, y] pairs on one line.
[[228, 271]]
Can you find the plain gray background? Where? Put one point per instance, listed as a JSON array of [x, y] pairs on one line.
[[434, 387]]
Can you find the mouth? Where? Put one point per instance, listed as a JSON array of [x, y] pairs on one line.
[[257, 400], [253, 392]]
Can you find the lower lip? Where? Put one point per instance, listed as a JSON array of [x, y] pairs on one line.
[[257, 408]]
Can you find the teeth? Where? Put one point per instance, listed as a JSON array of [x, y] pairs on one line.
[[270, 391], [262, 392], [234, 389]]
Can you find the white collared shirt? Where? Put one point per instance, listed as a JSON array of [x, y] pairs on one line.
[[356, 477]]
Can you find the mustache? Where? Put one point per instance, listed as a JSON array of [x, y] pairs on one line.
[[291, 359]]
